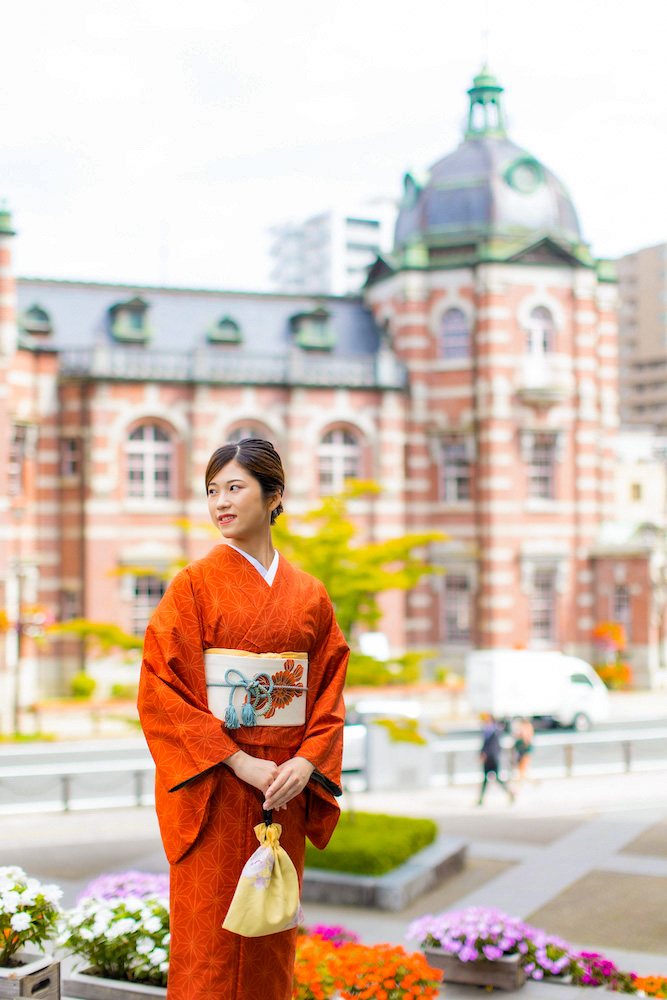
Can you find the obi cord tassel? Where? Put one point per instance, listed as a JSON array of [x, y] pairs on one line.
[[259, 691], [248, 714], [231, 718]]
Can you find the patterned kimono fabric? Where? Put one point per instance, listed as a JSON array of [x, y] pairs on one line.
[[206, 813]]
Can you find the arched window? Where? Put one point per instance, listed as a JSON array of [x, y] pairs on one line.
[[150, 463], [36, 321], [225, 331], [339, 459], [540, 335], [454, 335], [246, 431]]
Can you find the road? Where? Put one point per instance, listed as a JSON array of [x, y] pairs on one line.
[[34, 777]]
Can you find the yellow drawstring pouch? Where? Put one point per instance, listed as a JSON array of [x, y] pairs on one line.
[[266, 899]]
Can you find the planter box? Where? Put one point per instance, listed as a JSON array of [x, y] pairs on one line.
[[38, 977], [504, 973], [395, 890], [85, 987]]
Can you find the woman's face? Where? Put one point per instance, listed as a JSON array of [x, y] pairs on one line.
[[236, 504]]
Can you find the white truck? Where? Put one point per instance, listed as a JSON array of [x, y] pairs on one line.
[[524, 683]]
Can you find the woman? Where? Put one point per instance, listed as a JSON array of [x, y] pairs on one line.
[[215, 778], [523, 747]]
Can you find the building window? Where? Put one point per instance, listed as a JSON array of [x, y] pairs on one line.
[[313, 330], [36, 321], [129, 321], [339, 459], [71, 605], [635, 491], [150, 459], [70, 457], [540, 336], [454, 335], [541, 467], [147, 594], [621, 610], [17, 455], [225, 331], [240, 433], [455, 470], [457, 613], [543, 605]]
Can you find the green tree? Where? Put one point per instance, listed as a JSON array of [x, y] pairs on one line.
[[354, 574]]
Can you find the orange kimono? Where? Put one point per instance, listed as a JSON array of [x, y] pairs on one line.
[[206, 813]]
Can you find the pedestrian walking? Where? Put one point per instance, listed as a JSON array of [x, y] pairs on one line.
[[523, 747], [245, 623], [490, 756]]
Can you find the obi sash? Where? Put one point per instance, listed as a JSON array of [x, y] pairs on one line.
[[256, 689]]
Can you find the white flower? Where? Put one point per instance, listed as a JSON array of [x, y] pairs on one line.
[[134, 904], [166, 939], [126, 925], [104, 916], [164, 966], [145, 945], [76, 917], [153, 925], [21, 921], [157, 956], [87, 934], [13, 872], [145, 915], [10, 902], [63, 938], [6, 883], [52, 893]]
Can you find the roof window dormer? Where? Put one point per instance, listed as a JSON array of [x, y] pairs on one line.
[[37, 322], [129, 321], [313, 330], [225, 331]]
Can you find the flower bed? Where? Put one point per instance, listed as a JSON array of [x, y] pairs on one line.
[[29, 913], [382, 972], [479, 934], [371, 844], [125, 938]]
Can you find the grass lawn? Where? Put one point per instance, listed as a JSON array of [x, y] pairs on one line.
[[371, 843]]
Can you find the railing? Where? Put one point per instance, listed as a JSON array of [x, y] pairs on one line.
[[234, 367], [568, 743], [139, 771]]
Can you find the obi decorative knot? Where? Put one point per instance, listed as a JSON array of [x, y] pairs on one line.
[[264, 689]]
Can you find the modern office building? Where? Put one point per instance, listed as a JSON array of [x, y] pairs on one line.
[[642, 333], [331, 253]]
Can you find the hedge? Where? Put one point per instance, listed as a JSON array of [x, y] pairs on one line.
[[371, 843]]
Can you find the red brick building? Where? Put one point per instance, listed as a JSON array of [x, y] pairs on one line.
[[476, 381]]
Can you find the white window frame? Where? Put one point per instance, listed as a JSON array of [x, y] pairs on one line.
[[542, 604], [541, 475], [70, 456], [457, 605], [541, 332], [460, 348], [339, 457], [150, 457], [455, 476], [147, 592]]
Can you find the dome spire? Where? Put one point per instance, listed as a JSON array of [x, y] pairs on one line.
[[486, 111]]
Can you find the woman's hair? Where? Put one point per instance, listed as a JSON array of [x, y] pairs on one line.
[[259, 458]]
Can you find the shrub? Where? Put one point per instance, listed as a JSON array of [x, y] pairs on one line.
[[82, 685], [127, 691], [371, 843]]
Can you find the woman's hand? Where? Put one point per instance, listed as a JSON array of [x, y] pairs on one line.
[[292, 778], [254, 771]]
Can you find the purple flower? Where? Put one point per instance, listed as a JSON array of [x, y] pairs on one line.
[[130, 883], [492, 952]]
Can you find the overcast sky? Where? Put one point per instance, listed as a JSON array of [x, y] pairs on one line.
[[153, 141]]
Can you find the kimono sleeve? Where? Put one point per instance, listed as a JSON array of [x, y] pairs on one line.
[[322, 744], [184, 738]]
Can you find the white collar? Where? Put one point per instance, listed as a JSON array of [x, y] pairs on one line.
[[268, 574]]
